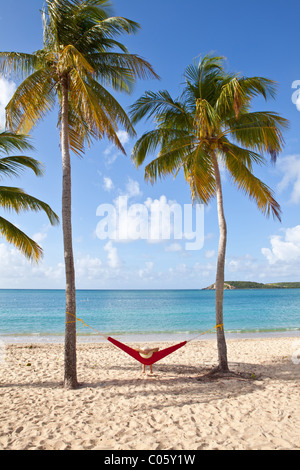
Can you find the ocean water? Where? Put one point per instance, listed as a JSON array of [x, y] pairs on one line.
[[148, 313]]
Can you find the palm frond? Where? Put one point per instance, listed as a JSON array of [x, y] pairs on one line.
[[231, 98], [83, 127], [153, 104], [206, 121], [120, 70], [111, 73], [146, 144], [97, 10], [164, 138], [33, 99], [28, 247], [245, 155], [165, 164], [254, 86], [111, 106], [198, 171], [17, 64], [79, 132], [237, 92], [10, 141], [260, 131], [113, 26], [12, 166], [17, 200], [70, 59], [202, 80], [253, 187], [96, 118]]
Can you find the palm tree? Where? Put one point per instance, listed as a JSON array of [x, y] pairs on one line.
[[209, 124], [15, 198], [80, 58]]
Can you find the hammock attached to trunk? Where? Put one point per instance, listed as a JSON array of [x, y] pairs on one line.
[[139, 356], [143, 358]]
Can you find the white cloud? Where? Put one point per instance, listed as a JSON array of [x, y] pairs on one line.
[[107, 183], [133, 188], [210, 253], [290, 168], [11, 259], [39, 237], [110, 157], [88, 267], [17, 271], [284, 248], [245, 266], [113, 259], [7, 89], [146, 272]]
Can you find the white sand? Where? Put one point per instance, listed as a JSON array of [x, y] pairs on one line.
[[118, 407]]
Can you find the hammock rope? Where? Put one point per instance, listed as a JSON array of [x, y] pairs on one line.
[[139, 356]]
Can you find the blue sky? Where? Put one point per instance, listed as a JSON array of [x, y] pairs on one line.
[[257, 38]]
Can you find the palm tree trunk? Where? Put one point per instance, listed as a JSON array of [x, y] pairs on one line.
[[70, 377], [222, 348]]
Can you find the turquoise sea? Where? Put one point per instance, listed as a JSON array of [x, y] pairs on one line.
[[39, 314]]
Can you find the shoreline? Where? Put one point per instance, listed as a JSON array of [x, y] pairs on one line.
[[38, 338]]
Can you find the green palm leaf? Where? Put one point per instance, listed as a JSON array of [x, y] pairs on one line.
[[33, 99], [199, 173], [18, 64], [253, 187], [153, 104], [261, 131], [15, 198], [28, 247], [12, 166], [10, 141]]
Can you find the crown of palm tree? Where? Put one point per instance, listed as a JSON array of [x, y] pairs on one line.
[[212, 116], [79, 49]]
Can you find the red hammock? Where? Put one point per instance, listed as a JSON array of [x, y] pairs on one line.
[[156, 356]]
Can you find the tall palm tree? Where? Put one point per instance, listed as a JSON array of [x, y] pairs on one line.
[[209, 124], [80, 58], [15, 198]]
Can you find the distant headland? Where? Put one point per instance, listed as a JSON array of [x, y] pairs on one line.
[[231, 285]]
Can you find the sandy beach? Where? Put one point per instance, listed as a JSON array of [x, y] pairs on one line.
[[119, 408]]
